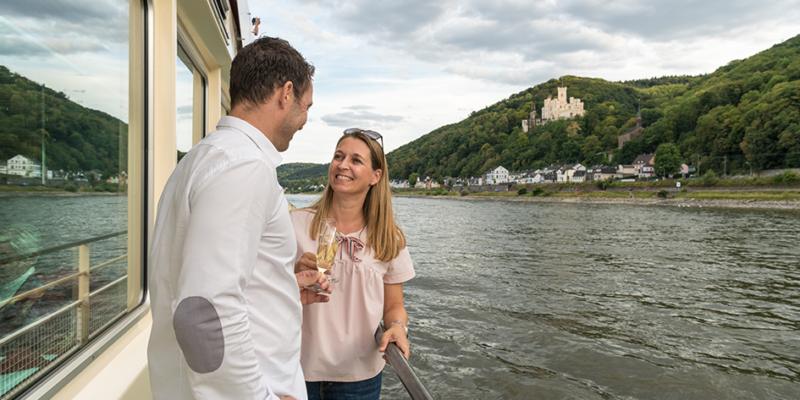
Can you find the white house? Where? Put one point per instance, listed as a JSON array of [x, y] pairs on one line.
[[496, 175], [23, 166]]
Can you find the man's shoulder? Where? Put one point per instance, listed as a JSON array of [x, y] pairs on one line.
[[228, 147]]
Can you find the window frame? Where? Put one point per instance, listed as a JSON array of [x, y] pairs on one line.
[[139, 213]]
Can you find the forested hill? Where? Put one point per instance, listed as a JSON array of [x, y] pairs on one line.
[[301, 175], [77, 138], [746, 111]]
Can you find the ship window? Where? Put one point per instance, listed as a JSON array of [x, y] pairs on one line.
[[190, 86], [65, 115]]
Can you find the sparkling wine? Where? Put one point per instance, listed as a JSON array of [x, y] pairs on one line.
[[326, 252]]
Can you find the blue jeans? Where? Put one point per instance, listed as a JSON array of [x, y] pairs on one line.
[[368, 389]]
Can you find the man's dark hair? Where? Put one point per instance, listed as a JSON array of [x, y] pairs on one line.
[[265, 65]]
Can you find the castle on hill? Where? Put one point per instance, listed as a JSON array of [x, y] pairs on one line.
[[554, 109]]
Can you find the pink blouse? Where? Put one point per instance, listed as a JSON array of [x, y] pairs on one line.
[[338, 336]]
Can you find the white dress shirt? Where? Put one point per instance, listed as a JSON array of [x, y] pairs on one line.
[[225, 302]]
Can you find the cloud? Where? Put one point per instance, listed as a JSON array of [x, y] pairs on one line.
[[475, 38], [12, 45], [184, 110], [361, 119], [359, 107], [106, 21]]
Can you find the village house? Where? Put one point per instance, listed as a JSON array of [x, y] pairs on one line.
[[600, 173], [578, 176], [565, 173], [496, 175], [646, 171], [625, 170], [640, 161], [23, 166]]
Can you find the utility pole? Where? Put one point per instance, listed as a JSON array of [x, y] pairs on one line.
[[44, 166]]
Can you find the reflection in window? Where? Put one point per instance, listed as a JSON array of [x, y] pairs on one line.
[[189, 100], [63, 134]]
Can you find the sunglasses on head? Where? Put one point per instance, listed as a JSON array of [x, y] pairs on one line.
[[372, 134]]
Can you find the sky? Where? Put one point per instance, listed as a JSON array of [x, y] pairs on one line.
[[405, 68]]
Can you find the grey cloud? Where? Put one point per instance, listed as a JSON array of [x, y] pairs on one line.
[[363, 119], [468, 34], [359, 107], [72, 10], [678, 19], [182, 110], [11, 45], [104, 20]]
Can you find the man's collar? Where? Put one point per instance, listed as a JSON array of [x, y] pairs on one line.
[[255, 135]]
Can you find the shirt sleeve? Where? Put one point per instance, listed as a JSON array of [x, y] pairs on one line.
[[229, 212], [401, 269]]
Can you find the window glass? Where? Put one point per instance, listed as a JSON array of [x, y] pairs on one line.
[[64, 69], [189, 100]]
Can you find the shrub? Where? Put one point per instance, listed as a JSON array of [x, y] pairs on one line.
[[710, 178], [464, 192], [522, 191], [785, 178], [71, 188], [663, 194], [537, 191]]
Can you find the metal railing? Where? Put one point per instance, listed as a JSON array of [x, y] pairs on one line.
[[416, 389], [33, 350]]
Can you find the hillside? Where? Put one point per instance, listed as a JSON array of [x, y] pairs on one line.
[[78, 138], [300, 175], [746, 111]]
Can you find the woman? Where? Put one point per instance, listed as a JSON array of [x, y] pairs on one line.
[[339, 355]]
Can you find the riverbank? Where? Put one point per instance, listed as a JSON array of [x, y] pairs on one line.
[[56, 193], [677, 202]]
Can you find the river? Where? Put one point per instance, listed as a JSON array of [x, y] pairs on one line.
[[519, 300], [591, 301]]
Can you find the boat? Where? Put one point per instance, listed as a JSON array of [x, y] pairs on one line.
[[94, 345], [168, 87]]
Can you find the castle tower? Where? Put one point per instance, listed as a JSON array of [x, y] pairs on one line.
[[562, 95], [639, 117]]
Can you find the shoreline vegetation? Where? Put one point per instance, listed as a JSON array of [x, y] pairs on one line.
[[781, 191], [735, 201]]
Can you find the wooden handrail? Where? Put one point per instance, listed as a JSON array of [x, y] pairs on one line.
[[414, 386]]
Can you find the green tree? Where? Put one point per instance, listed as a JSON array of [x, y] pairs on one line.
[[412, 179], [668, 159]]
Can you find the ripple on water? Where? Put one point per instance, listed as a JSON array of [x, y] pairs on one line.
[[534, 300]]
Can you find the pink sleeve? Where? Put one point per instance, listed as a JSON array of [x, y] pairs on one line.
[[401, 269]]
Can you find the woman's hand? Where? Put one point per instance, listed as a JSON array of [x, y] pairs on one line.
[[309, 278], [397, 335]]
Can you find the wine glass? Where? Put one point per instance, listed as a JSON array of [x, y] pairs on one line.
[[328, 243]]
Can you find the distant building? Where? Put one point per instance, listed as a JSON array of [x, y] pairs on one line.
[[600, 173], [647, 171], [641, 161], [496, 175], [561, 108], [23, 166]]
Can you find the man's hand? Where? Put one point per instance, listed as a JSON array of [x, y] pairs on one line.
[[397, 335], [308, 262], [310, 296]]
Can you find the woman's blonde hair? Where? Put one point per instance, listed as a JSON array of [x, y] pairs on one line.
[[384, 236]]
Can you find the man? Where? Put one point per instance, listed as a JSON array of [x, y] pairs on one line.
[[226, 303]]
